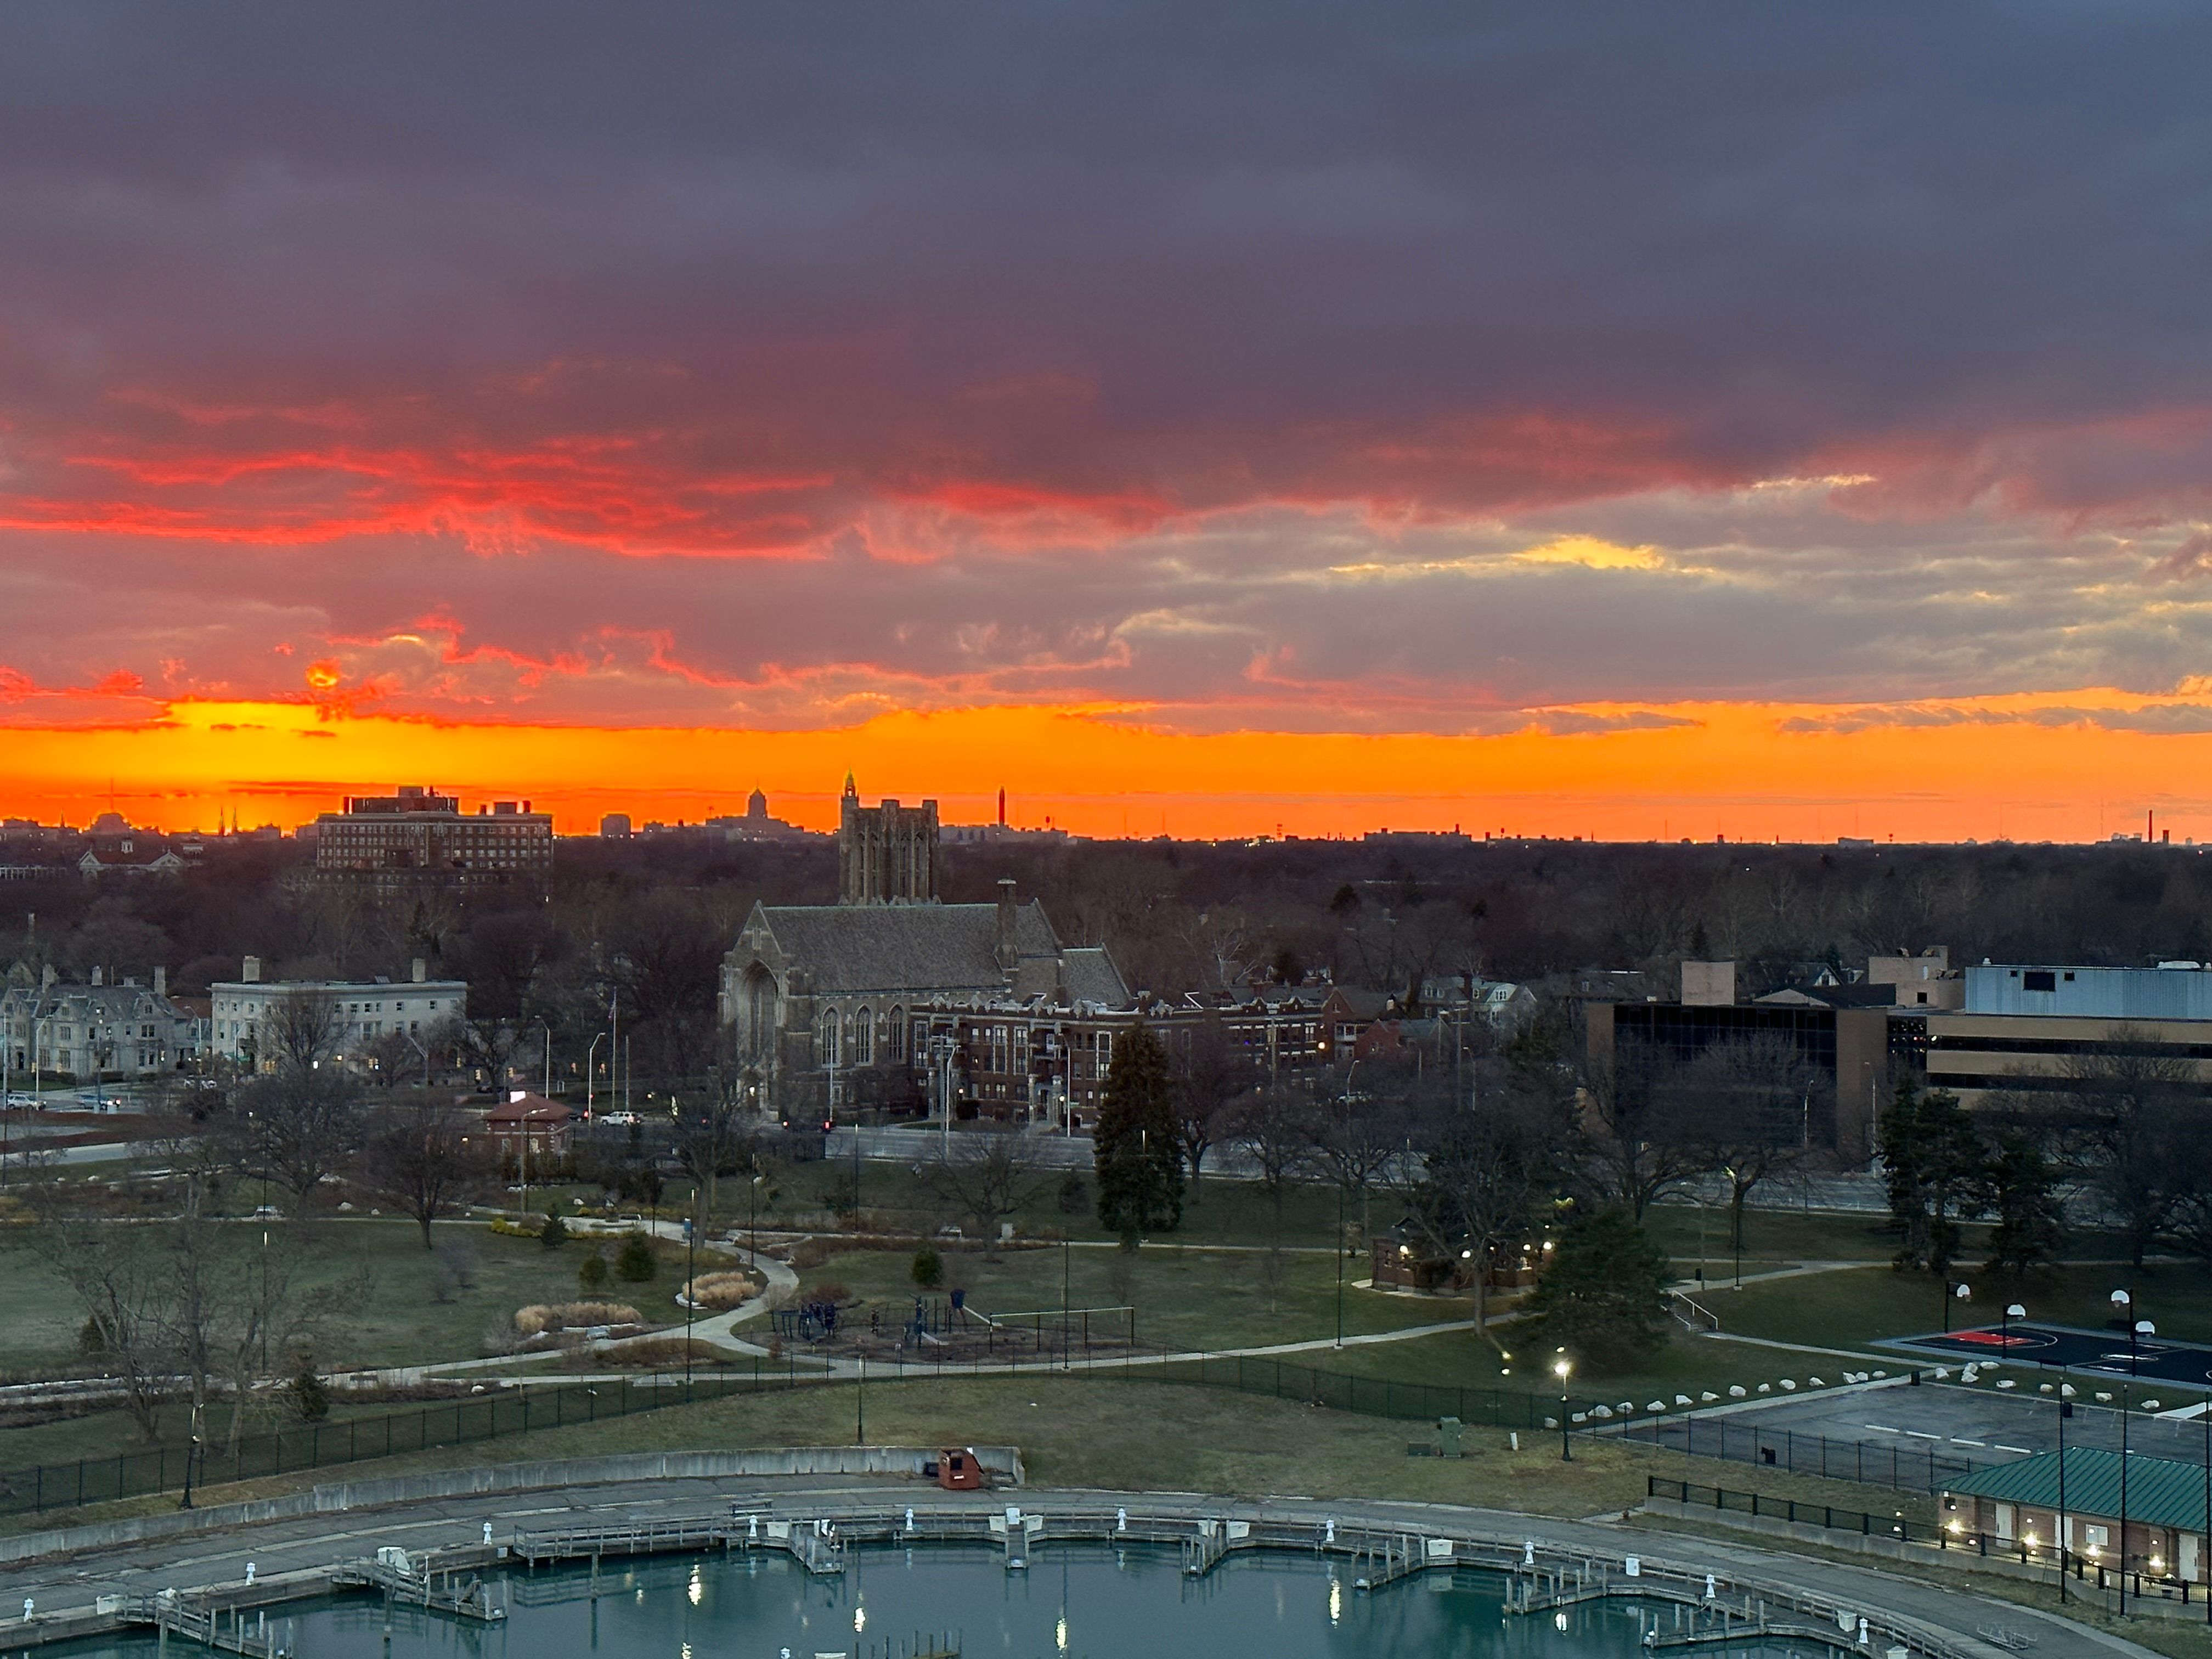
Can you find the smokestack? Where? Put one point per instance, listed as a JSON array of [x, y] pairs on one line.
[[1002, 806], [252, 973], [1009, 957], [420, 971], [161, 981]]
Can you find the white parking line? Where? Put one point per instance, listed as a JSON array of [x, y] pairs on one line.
[[1983, 1444], [1882, 1428], [2023, 1450], [1922, 1434]]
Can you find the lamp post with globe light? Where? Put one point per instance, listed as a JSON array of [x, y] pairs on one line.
[[1560, 1367]]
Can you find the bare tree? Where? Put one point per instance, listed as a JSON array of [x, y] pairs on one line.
[[1636, 1151], [1484, 1179], [2130, 1106], [1356, 1137], [715, 1136], [1268, 1124], [1204, 1079], [299, 1030], [118, 1277], [989, 1177], [293, 1128], [1745, 1109], [426, 1157]]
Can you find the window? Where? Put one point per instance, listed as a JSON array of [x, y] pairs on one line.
[[2038, 980], [895, 1034], [827, 1039], [863, 1038]]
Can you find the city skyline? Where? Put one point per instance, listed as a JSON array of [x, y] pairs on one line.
[[1607, 423]]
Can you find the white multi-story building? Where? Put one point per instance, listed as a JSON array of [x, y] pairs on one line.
[[96, 1030], [360, 1010]]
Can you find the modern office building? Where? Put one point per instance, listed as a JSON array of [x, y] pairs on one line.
[[2038, 1029]]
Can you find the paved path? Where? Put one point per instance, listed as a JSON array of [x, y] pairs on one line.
[[317, 1541]]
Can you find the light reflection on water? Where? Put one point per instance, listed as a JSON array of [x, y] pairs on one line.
[[1083, 1602]]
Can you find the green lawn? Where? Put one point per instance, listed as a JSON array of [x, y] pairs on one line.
[[1192, 1298], [378, 1296]]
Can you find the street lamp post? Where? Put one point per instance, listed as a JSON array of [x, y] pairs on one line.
[[591, 1070], [690, 1283], [2137, 1329], [1348, 1071], [2013, 1310], [1560, 1367]]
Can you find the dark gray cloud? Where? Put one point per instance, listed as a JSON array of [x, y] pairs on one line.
[[1213, 356]]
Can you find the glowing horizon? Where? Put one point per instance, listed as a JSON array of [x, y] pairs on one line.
[[1661, 774]]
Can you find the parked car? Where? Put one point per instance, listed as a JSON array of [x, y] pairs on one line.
[[21, 1099]]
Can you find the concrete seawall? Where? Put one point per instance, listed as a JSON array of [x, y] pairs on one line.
[[892, 1462]]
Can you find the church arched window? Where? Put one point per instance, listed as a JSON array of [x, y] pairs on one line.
[[863, 1038], [827, 1038], [895, 1034]]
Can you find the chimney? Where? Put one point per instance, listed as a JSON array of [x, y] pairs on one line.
[[1009, 957], [251, 973], [161, 981], [419, 970], [96, 975], [47, 978]]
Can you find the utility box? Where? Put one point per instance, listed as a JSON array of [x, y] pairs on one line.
[[1448, 1430]]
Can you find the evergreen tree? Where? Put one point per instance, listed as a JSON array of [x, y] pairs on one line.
[[1137, 1143], [635, 1260], [2021, 1191], [592, 1275], [1603, 1296], [555, 1233], [1937, 1163]]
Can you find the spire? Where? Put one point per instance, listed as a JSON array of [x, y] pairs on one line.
[[851, 788]]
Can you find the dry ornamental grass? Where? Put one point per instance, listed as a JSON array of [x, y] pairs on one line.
[[571, 1316]]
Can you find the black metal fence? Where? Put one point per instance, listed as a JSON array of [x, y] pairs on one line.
[[2161, 1581], [494, 1414], [1371, 1396], [1741, 1438]]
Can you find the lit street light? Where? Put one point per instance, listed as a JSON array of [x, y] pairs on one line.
[[1560, 1367]]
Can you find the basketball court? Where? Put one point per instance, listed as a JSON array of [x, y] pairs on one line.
[[2065, 1347]]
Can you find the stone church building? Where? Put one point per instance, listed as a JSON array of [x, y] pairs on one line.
[[829, 1008]]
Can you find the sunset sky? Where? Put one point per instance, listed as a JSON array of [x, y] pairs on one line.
[[1626, 420]]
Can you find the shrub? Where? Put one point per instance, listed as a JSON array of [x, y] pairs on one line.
[[928, 1267], [555, 1233], [91, 1336], [1074, 1194], [634, 1261], [720, 1291], [830, 1290], [310, 1401], [592, 1274]]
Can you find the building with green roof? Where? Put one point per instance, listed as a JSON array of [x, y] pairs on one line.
[[2018, 1506]]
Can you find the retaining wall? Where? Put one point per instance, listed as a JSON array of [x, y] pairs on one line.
[[891, 1462]]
